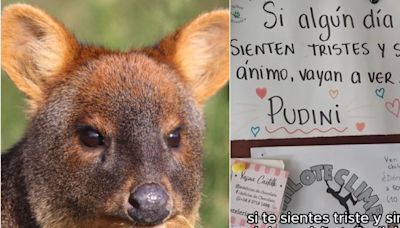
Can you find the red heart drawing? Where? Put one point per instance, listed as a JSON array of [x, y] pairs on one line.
[[333, 93], [394, 107], [261, 92], [360, 126]]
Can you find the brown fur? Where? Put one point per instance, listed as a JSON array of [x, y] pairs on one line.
[[134, 99]]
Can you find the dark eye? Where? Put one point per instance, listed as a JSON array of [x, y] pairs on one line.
[[90, 137], [174, 138]]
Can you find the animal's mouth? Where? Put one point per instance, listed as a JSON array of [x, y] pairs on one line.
[[176, 221], [180, 221]]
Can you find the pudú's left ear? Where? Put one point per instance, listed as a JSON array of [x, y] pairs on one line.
[[200, 52]]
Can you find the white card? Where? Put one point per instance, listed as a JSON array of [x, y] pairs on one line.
[[258, 188]]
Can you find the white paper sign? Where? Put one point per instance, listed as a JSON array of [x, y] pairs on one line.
[[362, 179], [310, 68], [257, 189]]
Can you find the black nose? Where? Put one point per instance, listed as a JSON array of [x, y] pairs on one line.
[[149, 204]]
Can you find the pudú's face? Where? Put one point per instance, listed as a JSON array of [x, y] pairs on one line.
[[113, 138], [123, 123]]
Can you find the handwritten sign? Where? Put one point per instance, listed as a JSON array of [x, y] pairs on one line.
[[255, 190], [362, 179], [314, 68]]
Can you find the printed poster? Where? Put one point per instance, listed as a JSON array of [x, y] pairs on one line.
[[340, 179]]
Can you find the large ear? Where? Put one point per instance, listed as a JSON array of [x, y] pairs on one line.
[[201, 53], [35, 48]]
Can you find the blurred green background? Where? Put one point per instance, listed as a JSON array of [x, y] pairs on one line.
[[119, 24]]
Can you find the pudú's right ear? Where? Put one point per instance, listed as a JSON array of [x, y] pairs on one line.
[[35, 49]]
